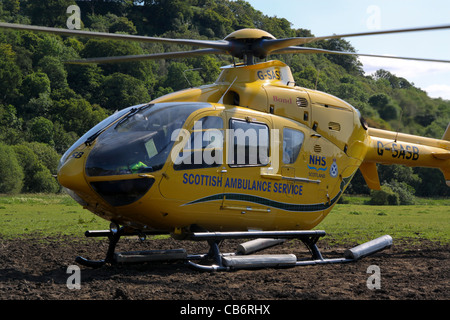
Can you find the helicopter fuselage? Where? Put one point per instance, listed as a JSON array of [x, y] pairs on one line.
[[252, 151]]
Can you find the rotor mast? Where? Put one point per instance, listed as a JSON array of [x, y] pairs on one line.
[[248, 44]]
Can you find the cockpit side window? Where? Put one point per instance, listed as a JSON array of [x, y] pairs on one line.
[[292, 143], [204, 148]]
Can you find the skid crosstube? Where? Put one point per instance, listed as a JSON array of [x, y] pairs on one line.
[[242, 258]]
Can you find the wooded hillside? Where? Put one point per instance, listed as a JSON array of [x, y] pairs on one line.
[[45, 104]]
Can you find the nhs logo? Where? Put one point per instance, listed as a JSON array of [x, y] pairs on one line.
[[317, 163]]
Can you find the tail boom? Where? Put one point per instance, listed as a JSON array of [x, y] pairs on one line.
[[387, 147]]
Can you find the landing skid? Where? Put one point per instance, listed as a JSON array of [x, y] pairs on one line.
[[243, 258]]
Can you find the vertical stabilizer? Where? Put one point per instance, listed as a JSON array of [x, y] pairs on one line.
[[370, 174], [447, 133]]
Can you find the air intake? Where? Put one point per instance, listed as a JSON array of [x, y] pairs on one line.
[[302, 102], [334, 126]]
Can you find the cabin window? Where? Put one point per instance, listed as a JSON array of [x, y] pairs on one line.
[[204, 148], [249, 143], [292, 143]]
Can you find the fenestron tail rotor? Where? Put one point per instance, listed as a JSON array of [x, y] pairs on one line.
[[244, 44]]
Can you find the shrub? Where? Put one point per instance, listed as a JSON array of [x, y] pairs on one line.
[[11, 173], [38, 177], [385, 196], [404, 191]]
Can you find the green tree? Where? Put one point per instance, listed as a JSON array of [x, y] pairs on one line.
[[177, 71], [55, 71], [348, 62], [107, 48], [389, 173], [121, 90], [46, 154], [41, 130], [63, 139], [244, 15], [11, 173], [10, 125], [77, 115], [351, 92], [37, 177], [10, 74], [13, 6], [40, 106], [432, 183], [9, 118], [405, 192], [44, 182], [49, 45], [213, 22], [110, 22], [387, 109], [209, 68], [51, 13], [122, 24], [165, 14], [34, 84], [307, 77], [384, 196], [85, 79]]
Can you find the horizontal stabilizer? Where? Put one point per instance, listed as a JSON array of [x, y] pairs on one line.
[[441, 155]]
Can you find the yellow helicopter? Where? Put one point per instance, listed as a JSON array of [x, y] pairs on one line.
[[251, 156]]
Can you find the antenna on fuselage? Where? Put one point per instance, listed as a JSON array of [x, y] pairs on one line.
[[221, 99], [184, 74]]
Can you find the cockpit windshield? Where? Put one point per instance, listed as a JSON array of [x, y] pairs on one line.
[[141, 141]]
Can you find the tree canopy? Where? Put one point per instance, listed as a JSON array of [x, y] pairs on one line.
[[43, 100]]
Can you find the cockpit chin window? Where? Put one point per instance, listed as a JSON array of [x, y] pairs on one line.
[[141, 141]]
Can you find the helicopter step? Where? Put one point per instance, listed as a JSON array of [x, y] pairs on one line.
[[150, 256]]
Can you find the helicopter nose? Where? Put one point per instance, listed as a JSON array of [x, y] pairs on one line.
[[71, 175]]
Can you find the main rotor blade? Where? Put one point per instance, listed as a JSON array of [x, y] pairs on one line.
[[219, 44], [275, 44], [316, 50], [168, 55]]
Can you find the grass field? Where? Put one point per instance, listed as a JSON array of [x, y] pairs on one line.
[[46, 215], [51, 215], [428, 219]]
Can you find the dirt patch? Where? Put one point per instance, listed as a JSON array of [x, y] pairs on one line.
[[36, 269]]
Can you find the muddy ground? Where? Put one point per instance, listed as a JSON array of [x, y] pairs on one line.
[[36, 269]]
